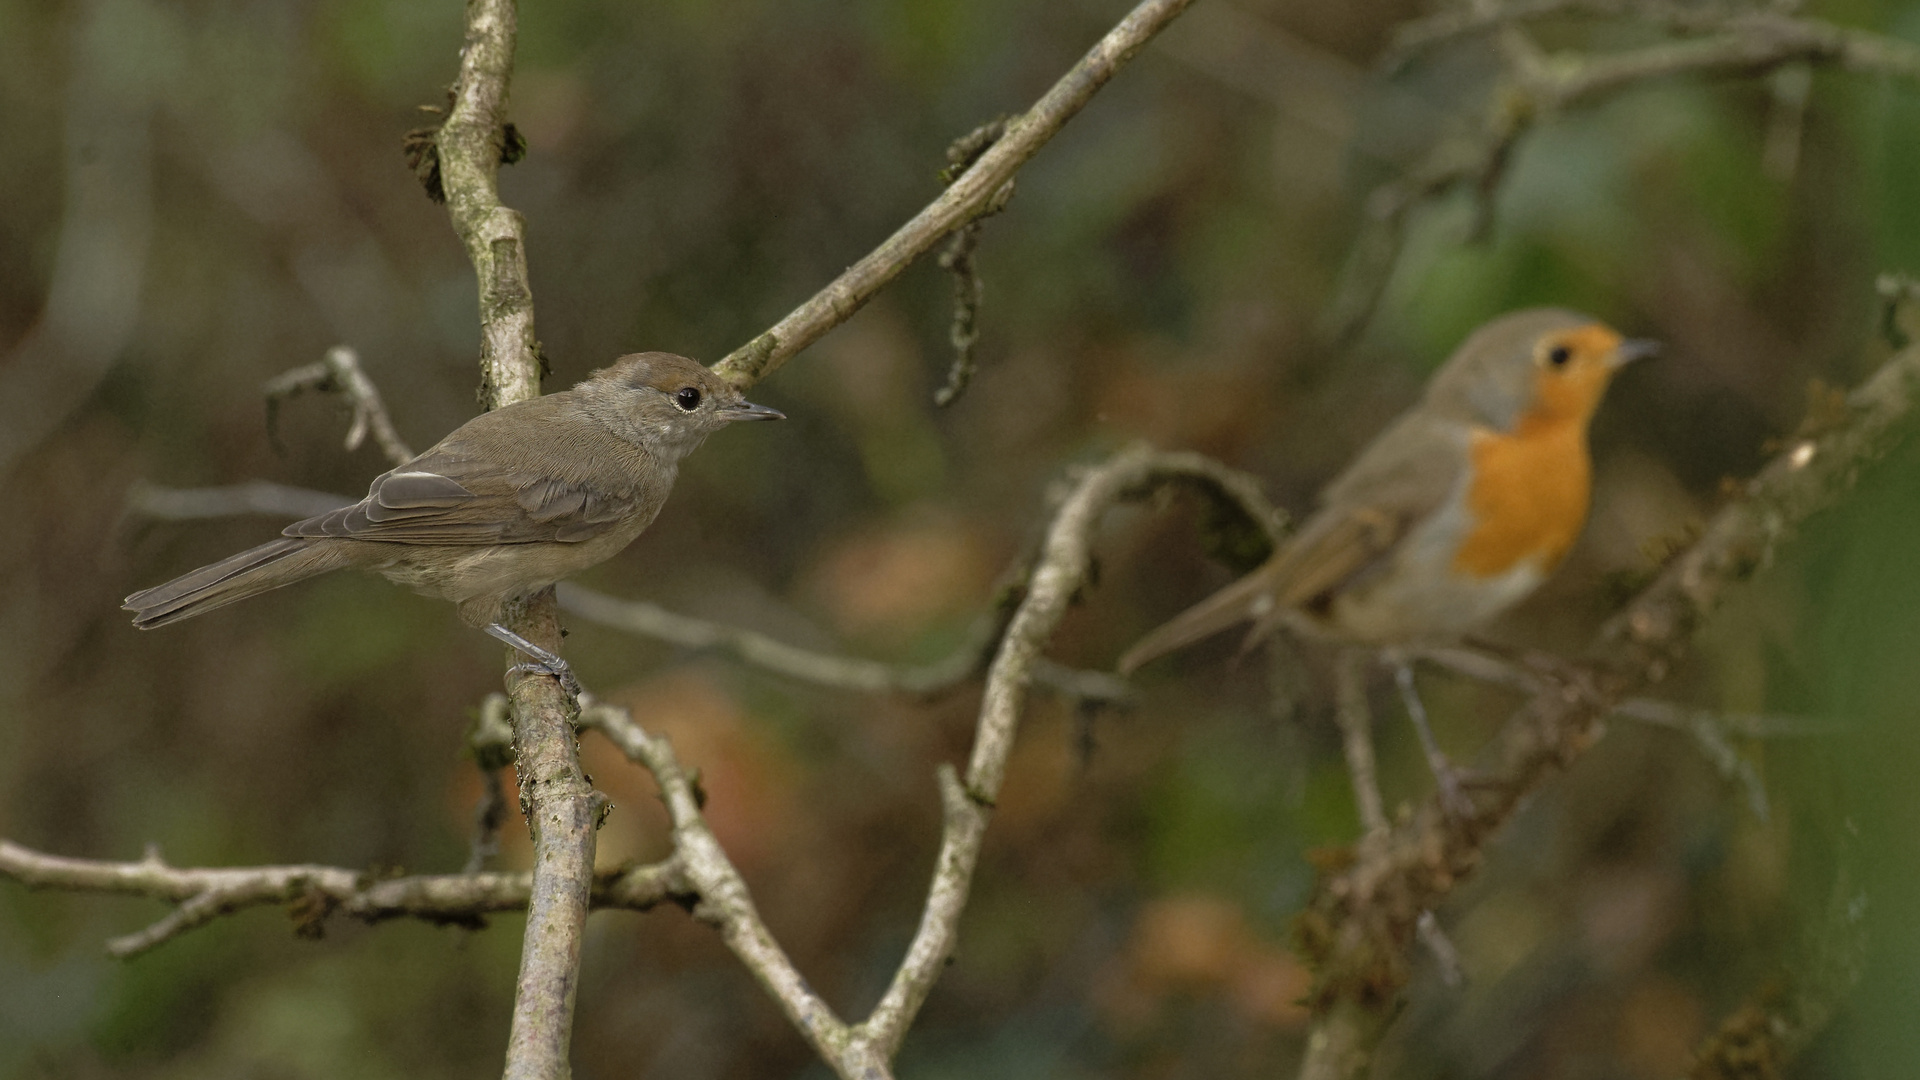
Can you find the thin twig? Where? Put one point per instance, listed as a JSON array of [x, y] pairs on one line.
[[1356, 736], [725, 903], [1360, 924], [316, 892], [832, 670], [1441, 947], [963, 200], [340, 373], [1741, 43], [957, 260], [1444, 27], [1709, 731], [491, 742]]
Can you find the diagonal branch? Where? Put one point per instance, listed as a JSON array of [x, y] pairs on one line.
[[1359, 926], [866, 1049], [967, 803], [724, 901], [965, 199]]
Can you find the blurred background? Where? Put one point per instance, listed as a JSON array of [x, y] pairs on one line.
[[201, 195]]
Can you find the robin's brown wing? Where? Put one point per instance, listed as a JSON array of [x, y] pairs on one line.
[[490, 482], [1404, 475]]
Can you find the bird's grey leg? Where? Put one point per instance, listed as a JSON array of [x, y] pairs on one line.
[[1451, 796], [539, 660]]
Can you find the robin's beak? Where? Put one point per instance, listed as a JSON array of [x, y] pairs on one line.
[[747, 410], [1633, 349]]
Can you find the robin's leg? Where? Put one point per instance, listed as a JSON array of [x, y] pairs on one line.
[[1451, 796], [539, 660]]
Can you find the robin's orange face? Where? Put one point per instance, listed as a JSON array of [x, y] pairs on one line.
[[1571, 371]]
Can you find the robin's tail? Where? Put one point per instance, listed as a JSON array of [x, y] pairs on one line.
[[254, 571], [1248, 599]]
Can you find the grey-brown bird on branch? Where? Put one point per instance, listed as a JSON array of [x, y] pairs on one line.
[[511, 502], [1453, 514]]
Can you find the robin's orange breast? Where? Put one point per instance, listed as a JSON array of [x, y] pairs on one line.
[[1528, 496]]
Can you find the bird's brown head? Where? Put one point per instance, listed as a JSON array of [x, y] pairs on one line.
[[666, 403], [1539, 367]]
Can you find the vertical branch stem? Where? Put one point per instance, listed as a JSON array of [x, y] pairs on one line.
[[470, 144], [1356, 736], [560, 805]]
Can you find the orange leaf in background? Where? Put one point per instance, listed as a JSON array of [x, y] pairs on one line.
[[1661, 1022], [751, 790], [1213, 408], [1189, 940], [900, 576], [1202, 945]]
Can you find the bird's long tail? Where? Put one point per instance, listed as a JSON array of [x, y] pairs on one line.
[[1248, 599], [254, 571]]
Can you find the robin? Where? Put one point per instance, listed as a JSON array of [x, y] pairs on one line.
[[1452, 515]]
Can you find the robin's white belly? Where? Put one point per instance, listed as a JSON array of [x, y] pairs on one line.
[[1421, 594]]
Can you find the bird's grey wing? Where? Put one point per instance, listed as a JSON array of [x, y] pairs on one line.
[[1408, 472], [451, 496], [1365, 512]]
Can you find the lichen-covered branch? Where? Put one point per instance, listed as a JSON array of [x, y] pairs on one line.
[[1758, 1040], [469, 146], [964, 200], [1363, 919], [562, 809], [313, 893]]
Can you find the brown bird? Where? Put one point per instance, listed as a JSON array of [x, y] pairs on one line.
[[509, 503], [1453, 514]]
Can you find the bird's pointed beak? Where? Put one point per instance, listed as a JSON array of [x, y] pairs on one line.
[[1634, 349], [747, 410]]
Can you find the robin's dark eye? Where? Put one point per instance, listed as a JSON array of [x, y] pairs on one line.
[[688, 398], [1558, 357]]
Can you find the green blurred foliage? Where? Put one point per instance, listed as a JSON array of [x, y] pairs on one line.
[[695, 169]]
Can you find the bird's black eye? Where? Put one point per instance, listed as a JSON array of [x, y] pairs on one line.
[[1557, 356], [688, 398]]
